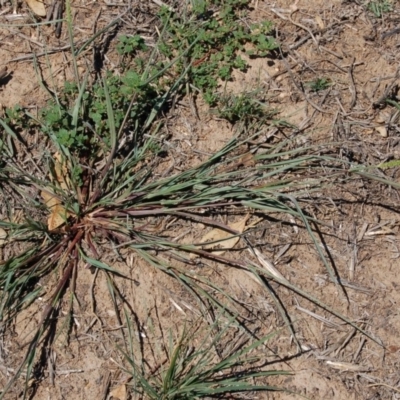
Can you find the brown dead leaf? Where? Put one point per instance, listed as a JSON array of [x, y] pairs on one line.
[[57, 217], [119, 392], [228, 240], [58, 214], [319, 21], [37, 7], [61, 170], [247, 160], [49, 198], [219, 234]]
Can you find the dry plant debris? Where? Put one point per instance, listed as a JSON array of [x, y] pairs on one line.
[[37, 7]]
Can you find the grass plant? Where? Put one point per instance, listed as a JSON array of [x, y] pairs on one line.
[[112, 196], [198, 364], [95, 188]]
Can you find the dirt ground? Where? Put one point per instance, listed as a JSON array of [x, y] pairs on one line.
[[359, 54]]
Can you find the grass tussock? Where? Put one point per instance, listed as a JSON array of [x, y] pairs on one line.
[[97, 188]]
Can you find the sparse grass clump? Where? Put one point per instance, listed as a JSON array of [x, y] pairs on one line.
[[199, 365], [89, 202], [96, 188], [244, 107]]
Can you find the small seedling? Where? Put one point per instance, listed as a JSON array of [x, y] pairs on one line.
[[378, 8], [244, 107], [130, 44], [319, 84]]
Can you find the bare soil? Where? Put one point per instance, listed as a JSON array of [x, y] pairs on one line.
[[359, 54]]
